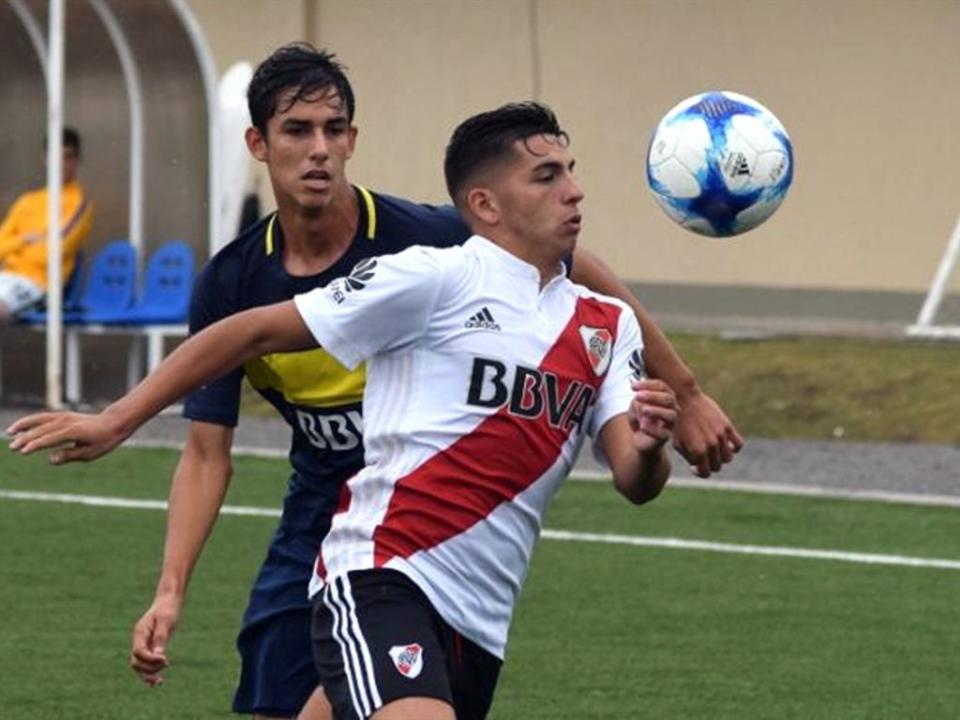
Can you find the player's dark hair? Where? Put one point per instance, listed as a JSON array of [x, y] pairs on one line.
[[299, 67], [71, 138], [488, 138]]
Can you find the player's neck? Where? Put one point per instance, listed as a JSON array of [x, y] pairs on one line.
[[545, 259], [315, 238]]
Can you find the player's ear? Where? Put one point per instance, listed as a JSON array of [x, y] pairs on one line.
[[351, 140], [256, 143], [483, 205]]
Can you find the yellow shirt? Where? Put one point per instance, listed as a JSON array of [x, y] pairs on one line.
[[23, 234]]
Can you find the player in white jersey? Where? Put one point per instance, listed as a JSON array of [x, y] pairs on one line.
[[486, 366]]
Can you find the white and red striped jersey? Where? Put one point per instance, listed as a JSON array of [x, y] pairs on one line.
[[480, 387]]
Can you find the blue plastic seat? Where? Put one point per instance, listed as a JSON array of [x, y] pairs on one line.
[[72, 290], [165, 292], [109, 285]]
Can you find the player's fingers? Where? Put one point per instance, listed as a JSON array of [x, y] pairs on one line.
[[723, 448], [141, 664], [41, 439], [734, 439], [702, 468], [143, 645], [657, 397], [79, 453], [666, 414], [655, 428], [715, 460], [28, 422], [161, 634], [150, 674], [152, 679]]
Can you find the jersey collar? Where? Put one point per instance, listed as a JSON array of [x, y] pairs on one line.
[[510, 262], [368, 220]]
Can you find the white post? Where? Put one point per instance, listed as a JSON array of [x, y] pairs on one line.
[[34, 31], [131, 76], [939, 286], [208, 75], [54, 187]]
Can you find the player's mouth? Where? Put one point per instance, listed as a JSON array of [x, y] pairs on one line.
[[316, 179], [573, 223]]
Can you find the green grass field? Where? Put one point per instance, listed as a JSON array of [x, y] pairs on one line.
[[602, 630]]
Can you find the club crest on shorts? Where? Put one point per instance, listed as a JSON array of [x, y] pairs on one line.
[[597, 342], [408, 659]]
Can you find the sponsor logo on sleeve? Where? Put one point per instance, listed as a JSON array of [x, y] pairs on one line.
[[636, 364], [408, 659], [357, 280]]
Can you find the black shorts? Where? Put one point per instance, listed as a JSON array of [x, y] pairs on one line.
[[377, 638]]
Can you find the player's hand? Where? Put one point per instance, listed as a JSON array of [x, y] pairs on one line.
[[148, 653], [652, 414], [73, 436], [704, 435]]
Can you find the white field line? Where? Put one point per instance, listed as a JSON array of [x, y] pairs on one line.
[[731, 484], [564, 535]]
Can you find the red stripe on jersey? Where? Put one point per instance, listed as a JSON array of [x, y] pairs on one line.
[[500, 458]]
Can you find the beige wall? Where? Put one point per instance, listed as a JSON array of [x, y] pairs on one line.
[[866, 88]]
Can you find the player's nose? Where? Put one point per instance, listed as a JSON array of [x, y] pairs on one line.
[[574, 193], [318, 145]]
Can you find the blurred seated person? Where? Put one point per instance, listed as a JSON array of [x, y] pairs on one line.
[[23, 236]]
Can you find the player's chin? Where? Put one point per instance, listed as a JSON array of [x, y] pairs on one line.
[[567, 240]]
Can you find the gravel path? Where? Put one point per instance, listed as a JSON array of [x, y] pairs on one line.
[[834, 465]]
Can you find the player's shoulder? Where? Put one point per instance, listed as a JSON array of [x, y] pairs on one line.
[[237, 266], [585, 293], [427, 258], [401, 222], [243, 253]]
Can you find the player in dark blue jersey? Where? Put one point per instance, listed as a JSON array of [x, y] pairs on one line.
[[321, 401], [302, 107]]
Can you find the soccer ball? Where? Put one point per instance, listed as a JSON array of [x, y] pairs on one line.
[[719, 163]]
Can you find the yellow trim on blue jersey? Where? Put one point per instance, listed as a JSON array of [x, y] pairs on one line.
[[312, 378], [371, 212], [269, 236]]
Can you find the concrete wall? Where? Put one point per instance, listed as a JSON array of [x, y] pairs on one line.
[[867, 89]]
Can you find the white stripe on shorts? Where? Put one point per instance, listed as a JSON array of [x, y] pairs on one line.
[[337, 632], [338, 598], [361, 642]]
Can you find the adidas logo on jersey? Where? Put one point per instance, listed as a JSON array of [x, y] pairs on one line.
[[482, 320]]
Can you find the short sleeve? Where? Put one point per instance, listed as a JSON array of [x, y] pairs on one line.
[[384, 304], [218, 401]]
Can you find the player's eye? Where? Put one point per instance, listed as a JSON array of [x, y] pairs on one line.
[[296, 130]]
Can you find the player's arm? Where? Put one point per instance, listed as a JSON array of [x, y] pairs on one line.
[[205, 356], [704, 435], [196, 494], [634, 442]]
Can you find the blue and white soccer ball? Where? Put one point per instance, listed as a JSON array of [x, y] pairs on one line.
[[719, 163]]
